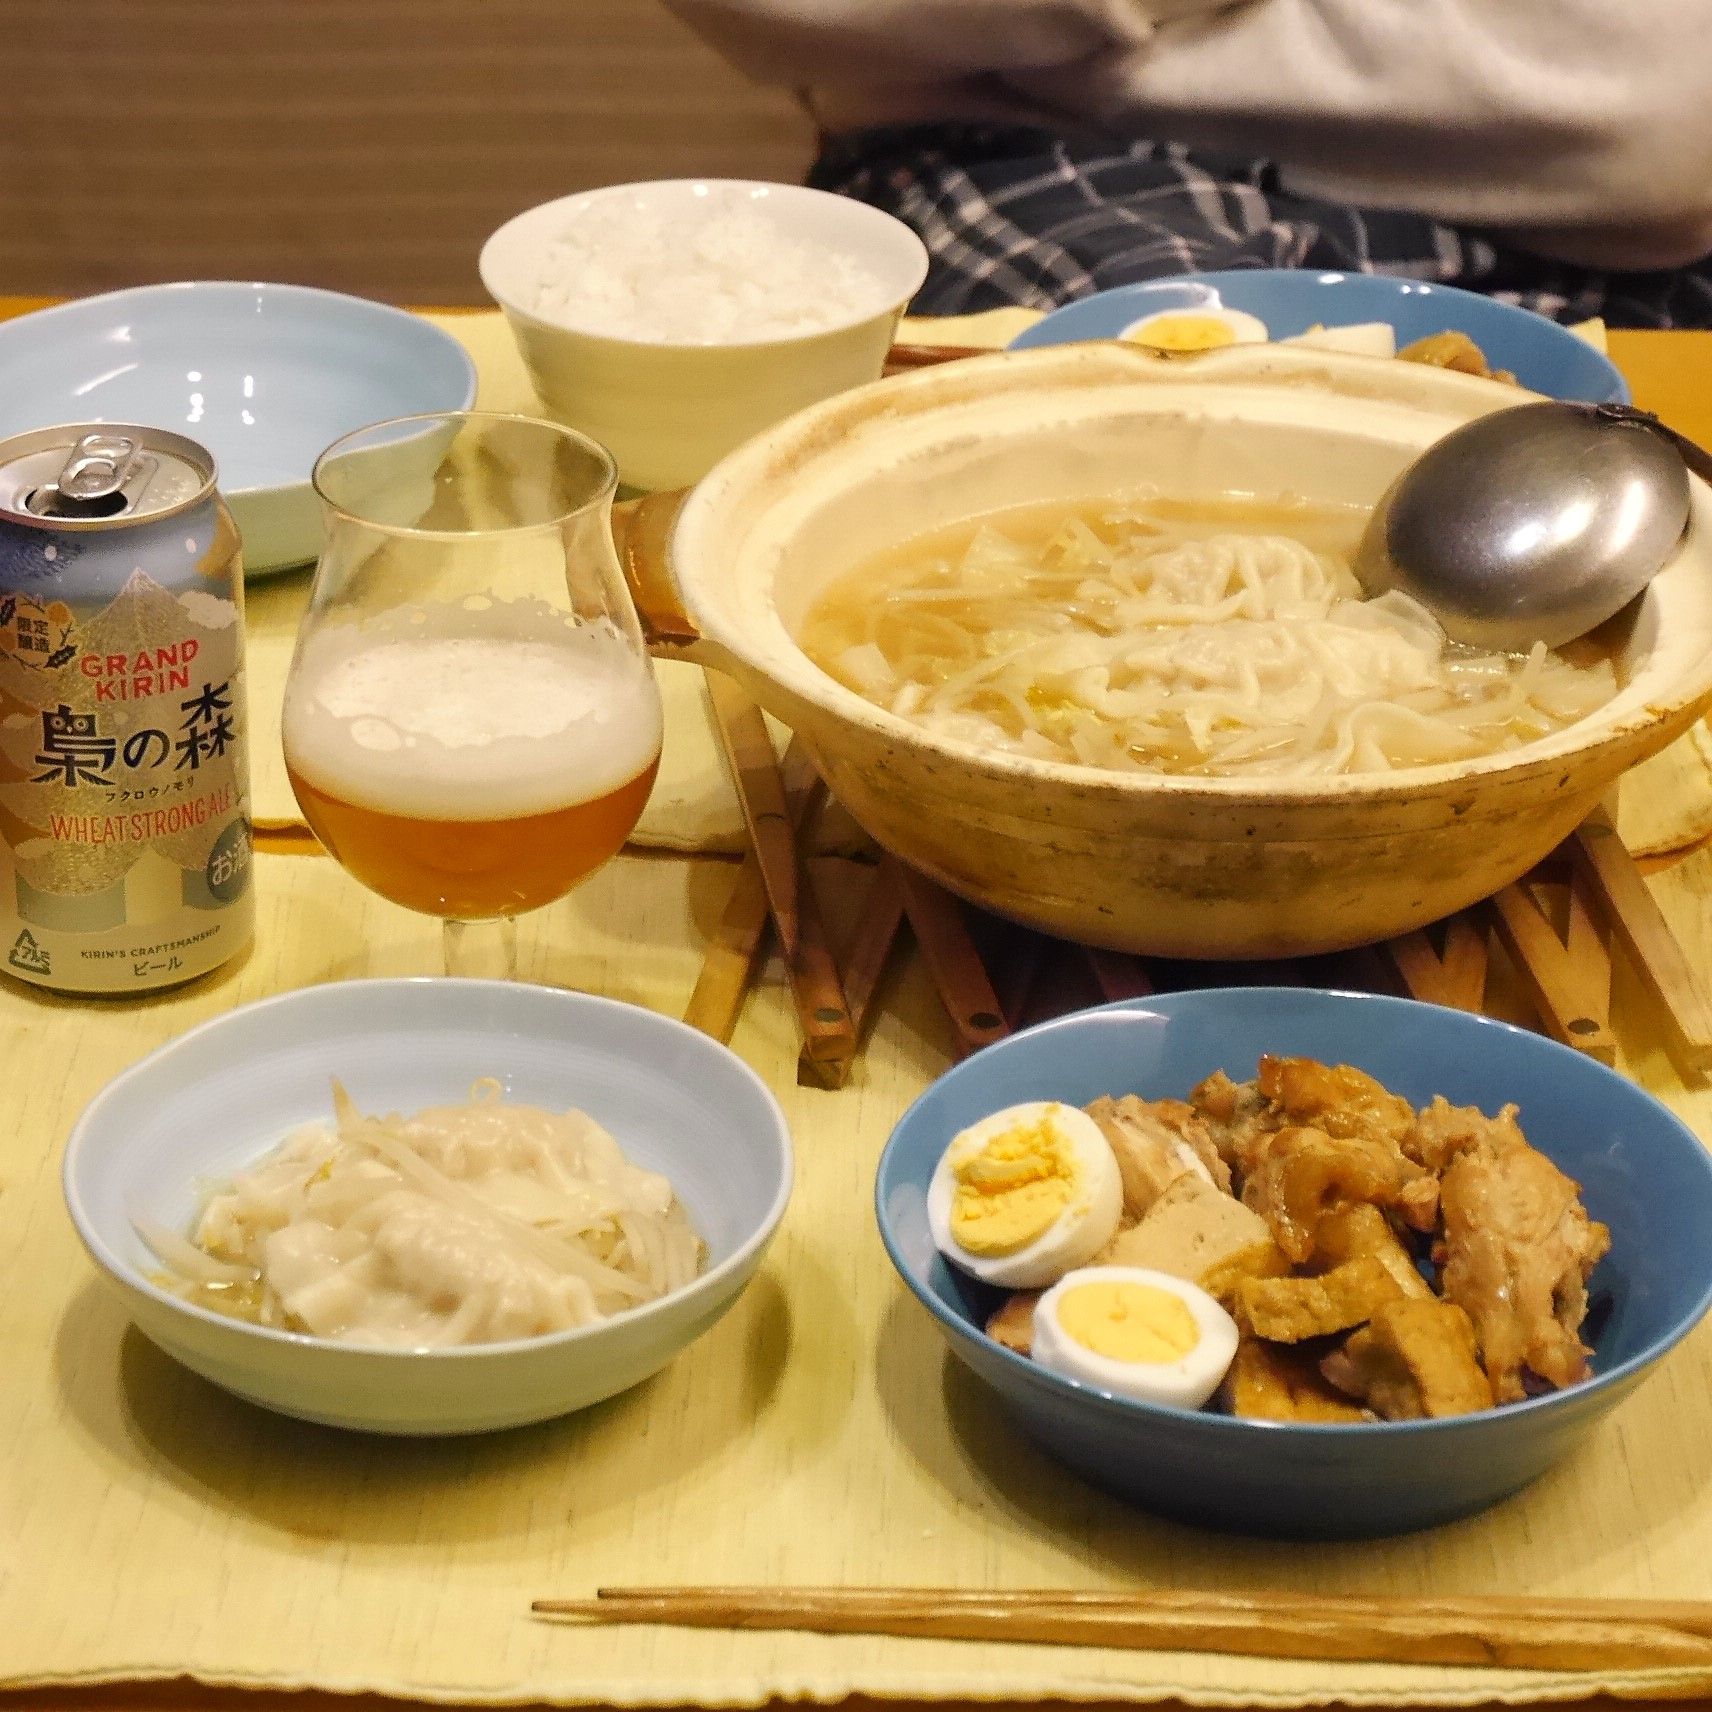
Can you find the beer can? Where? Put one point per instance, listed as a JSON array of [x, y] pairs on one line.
[[124, 775]]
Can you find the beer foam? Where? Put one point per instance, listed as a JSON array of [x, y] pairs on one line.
[[470, 727]]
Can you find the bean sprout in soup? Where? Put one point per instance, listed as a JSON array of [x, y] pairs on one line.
[[1219, 638]]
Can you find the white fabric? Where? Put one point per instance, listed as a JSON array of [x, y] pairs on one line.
[[1582, 128]]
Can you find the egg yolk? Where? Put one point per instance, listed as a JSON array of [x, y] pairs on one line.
[[1138, 1323], [1184, 333], [1012, 1190]]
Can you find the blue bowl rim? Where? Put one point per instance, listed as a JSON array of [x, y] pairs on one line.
[[1078, 1391], [345, 302], [1030, 338], [704, 1284]]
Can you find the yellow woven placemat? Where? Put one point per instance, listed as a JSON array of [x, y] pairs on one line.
[[150, 1526]]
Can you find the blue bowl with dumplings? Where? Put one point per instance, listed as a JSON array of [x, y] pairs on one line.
[[1642, 1172], [1543, 356]]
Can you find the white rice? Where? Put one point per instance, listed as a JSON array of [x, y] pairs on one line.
[[730, 275]]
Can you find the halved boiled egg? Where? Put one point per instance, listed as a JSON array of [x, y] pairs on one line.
[[1206, 329], [1136, 1333], [1025, 1195]]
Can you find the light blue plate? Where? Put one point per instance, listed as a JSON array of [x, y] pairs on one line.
[[1642, 1172], [1541, 354], [265, 376]]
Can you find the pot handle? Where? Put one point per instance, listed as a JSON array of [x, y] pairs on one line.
[[641, 531]]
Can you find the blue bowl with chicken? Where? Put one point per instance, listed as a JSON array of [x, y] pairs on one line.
[[1641, 1171]]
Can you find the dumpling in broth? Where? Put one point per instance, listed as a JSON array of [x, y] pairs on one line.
[[1221, 639], [461, 1224]]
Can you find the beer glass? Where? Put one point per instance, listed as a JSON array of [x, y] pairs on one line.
[[471, 721]]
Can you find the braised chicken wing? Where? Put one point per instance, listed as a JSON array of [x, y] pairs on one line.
[[1156, 1142], [1517, 1250]]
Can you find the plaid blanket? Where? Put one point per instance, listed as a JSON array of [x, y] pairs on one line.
[[1018, 216]]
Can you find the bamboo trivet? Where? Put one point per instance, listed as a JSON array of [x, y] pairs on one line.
[[1554, 930], [829, 1036]]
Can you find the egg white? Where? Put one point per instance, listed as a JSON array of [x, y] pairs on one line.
[[1245, 329], [1087, 1223], [1186, 1383]]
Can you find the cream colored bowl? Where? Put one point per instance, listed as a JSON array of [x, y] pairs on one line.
[[1181, 867], [669, 412]]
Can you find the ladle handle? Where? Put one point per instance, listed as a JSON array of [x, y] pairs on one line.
[[641, 531], [1694, 455]]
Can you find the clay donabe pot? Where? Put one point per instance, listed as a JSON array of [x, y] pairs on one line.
[[1182, 867]]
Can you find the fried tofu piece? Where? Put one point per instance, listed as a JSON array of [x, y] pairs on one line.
[[1289, 1310], [1156, 1142], [1012, 1322], [1360, 1228], [1262, 1260], [1270, 1383], [1346, 1103], [1412, 1360], [1336, 1098], [1247, 1119], [1304, 1172], [1453, 349], [1197, 1232]]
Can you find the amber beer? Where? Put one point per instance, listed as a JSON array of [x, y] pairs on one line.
[[471, 775], [124, 793]]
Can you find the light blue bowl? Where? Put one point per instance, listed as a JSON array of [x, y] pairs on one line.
[[1642, 1172], [265, 376], [1541, 354], [219, 1097]]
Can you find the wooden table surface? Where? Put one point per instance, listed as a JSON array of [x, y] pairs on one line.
[[1670, 373]]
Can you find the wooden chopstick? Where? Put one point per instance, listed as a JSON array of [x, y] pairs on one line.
[[953, 964], [734, 951], [902, 357], [1518, 1633], [829, 1038]]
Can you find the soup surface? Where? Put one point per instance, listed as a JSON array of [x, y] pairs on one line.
[[1221, 637]]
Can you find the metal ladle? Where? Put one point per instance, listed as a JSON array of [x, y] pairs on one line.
[[1534, 524]]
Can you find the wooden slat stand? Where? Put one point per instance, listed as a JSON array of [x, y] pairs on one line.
[[1556, 926]]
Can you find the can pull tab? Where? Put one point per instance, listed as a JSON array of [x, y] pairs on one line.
[[96, 471]]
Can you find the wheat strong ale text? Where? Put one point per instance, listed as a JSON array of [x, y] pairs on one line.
[[124, 791]]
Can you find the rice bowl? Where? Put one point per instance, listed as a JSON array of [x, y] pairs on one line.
[[669, 408]]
